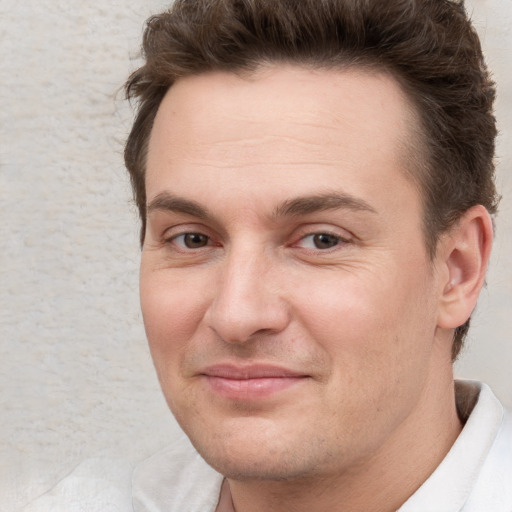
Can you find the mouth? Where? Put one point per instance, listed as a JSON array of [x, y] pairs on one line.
[[253, 382]]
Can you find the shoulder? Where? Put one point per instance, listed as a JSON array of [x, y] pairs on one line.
[[176, 479], [95, 485]]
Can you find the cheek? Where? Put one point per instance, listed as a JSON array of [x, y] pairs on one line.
[[365, 319], [172, 311], [374, 332]]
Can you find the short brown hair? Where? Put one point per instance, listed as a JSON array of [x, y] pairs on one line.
[[429, 46]]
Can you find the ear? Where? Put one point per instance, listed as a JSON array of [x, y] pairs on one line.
[[463, 258]]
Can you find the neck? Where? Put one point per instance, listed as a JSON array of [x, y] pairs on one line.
[[380, 483]]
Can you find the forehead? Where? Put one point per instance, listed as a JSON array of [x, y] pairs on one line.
[[287, 124]]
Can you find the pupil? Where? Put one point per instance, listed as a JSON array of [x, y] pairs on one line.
[[195, 240], [325, 241]]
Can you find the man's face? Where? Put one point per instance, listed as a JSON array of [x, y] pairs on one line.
[[287, 295]]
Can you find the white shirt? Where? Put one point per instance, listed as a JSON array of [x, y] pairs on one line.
[[475, 475]]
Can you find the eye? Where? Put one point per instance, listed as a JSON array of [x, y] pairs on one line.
[[320, 241], [191, 240]]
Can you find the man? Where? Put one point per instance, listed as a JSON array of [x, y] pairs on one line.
[[315, 183]]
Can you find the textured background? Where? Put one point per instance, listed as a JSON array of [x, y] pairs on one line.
[[76, 379]]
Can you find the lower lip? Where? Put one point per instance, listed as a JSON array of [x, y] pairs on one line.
[[250, 389]]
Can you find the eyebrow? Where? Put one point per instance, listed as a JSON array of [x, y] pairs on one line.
[[169, 202], [304, 205], [321, 202]]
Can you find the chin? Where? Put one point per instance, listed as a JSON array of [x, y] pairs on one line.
[[261, 467], [259, 454]]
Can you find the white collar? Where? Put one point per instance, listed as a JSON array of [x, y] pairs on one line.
[[450, 485]]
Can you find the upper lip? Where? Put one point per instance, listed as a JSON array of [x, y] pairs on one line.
[[253, 371]]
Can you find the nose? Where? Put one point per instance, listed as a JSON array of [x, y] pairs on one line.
[[248, 299]]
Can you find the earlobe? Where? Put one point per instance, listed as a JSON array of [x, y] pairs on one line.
[[465, 255]]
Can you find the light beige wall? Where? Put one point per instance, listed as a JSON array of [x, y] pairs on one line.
[[488, 354], [75, 376]]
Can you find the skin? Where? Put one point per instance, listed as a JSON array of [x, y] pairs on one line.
[[344, 294]]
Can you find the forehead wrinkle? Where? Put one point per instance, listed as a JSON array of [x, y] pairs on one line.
[[271, 142], [208, 164]]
